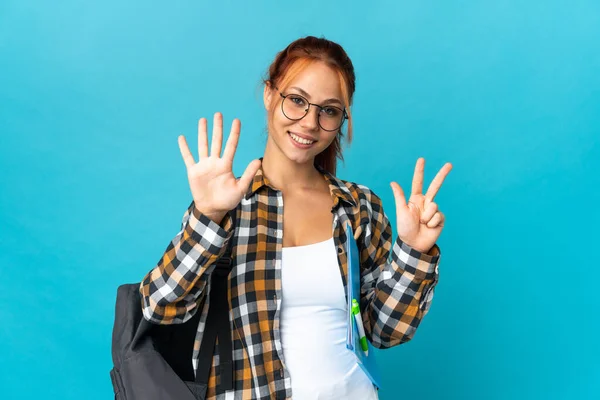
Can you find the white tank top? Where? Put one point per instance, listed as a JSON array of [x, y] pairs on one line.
[[313, 327]]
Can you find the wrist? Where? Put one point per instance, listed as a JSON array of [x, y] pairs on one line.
[[420, 249], [215, 216]]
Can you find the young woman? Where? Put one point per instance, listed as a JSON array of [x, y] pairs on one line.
[[289, 278]]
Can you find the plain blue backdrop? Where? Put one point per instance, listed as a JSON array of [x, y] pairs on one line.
[[92, 188]]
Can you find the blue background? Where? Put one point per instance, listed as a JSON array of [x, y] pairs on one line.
[[94, 94]]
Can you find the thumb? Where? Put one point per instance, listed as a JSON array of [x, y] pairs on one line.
[[248, 175], [398, 195]]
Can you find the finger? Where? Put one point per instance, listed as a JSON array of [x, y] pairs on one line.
[[398, 195], [428, 212], [188, 159], [436, 184], [232, 141], [251, 170], [202, 139], [217, 137], [437, 220], [417, 183]]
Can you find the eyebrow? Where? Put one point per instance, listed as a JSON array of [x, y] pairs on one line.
[[305, 94]]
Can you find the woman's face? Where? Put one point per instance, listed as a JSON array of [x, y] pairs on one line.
[[319, 84]]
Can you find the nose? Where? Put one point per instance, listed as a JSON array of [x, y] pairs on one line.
[[310, 119]]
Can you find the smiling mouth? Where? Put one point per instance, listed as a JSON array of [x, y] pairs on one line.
[[300, 140]]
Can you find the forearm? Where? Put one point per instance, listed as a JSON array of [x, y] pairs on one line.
[[402, 295], [171, 289]]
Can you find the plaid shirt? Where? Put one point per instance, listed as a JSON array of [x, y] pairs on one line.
[[395, 294]]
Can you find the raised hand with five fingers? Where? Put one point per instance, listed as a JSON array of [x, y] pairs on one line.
[[419, 222], [214, 187]]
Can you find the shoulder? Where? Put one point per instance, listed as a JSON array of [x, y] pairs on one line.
[[369, 219], [363, 196]]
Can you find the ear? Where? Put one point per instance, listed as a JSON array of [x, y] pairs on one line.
[[268, 96]]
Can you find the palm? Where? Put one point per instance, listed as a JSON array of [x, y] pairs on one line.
[[212, 182], [213, 185], [418, 221]]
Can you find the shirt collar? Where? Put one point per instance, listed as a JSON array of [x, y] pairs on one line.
[[337, 188]]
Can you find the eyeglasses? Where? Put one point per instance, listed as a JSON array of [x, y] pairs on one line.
[[296, 107]]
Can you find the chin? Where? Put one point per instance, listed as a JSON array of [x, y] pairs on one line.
[[300, 158], [293, 153]]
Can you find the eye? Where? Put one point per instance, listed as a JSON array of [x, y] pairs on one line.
[[332, 111], [297, 100]]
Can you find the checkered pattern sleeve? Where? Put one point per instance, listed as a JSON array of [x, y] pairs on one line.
[[171, 290], [395, 294]]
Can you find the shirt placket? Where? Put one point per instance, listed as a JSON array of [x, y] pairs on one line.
[[276, 235], [339, 218]]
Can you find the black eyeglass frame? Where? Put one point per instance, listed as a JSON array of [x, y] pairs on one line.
[[344, 113]]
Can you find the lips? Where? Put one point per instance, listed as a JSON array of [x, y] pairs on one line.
[[303, 136], [298, 144]]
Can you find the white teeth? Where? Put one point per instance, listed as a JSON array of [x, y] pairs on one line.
[[300, 140]]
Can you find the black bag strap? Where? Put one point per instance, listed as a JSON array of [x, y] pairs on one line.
[[217, 325]]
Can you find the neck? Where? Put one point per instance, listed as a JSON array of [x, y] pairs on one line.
[[285, 174]]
